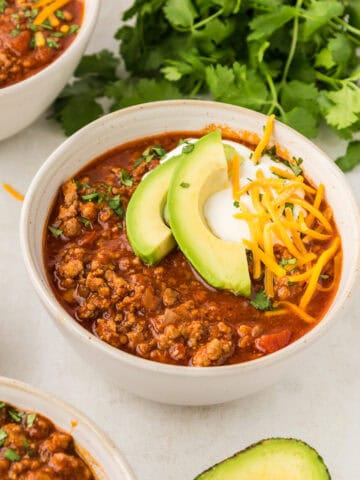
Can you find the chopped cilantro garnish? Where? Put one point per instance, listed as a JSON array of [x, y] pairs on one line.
[[236, 204], [86, 222], [116, 205], [289, 205], [149, 154], [55, 231], [3, 437], [30, 419], [159, 151], [60, 14], [47, 25], [15, 32], [295, 165], [287, 261], [97, 196], [11, 455], [2, 405], [188, 147], [261, 301], [73, 29], [52, 43], [126, 178], [3, 5], [15, 415], [30, 451], [33, 27], [271, 152]]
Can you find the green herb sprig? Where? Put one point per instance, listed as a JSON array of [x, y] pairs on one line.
[[298, 59]]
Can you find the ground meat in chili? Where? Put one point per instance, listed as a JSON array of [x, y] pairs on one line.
[[27, 47], [166, 312], [33, 448]]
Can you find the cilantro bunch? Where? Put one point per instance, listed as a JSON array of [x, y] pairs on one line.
[[298, 59]]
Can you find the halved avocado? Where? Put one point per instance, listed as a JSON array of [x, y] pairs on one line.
[[149, 236], [272, 459], [201, 173]]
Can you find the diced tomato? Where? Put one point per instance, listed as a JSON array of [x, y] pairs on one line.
[[274, 341]]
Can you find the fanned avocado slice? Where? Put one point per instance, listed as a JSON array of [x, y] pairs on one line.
[[272, 459], [201, 173], [148, 234]]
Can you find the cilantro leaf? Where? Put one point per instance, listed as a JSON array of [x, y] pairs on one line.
[[351, 158], [30, 419], [180, 13], [265, 25], [126, 178], [11, 455], [126, 93], [344, 108], [318, 15], [77, 111], [103, 64], [261, 301], [303, 120], [3, 437], [56, 233]]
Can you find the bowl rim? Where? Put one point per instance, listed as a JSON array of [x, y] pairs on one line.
[[88, 24], [101, 438], [64, 320]]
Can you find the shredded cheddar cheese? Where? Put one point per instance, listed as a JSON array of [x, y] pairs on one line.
[[266, 259], [13, 192], [293, 212], [48, 10], [324, 258], [265, 140], [297, 310]]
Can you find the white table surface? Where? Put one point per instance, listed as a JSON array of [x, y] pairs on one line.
[[319, 403]]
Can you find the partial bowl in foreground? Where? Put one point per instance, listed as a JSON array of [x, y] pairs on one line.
[[95, 449]]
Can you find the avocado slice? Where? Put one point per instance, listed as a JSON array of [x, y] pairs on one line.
[[271, 459], [148, 234], [201, 173]]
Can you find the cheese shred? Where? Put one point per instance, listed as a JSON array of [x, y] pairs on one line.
[[13, 192], [265, 139]]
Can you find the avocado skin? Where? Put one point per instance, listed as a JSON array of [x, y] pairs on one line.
[[211, 473]]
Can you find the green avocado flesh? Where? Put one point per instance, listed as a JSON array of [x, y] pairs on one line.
[[201, 173], [272, 459], [149, 236]]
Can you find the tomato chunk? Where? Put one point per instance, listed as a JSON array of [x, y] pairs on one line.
[[274, 341]]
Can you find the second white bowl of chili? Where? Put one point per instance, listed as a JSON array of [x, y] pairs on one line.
[[41, 44], [56, 440], [159, 331]]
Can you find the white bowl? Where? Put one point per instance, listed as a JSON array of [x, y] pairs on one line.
[[22, 102], [169, 383], [95, 448]]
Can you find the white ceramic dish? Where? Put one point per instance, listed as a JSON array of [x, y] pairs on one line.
[[23, 102], [95, 448], [168, 383]]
